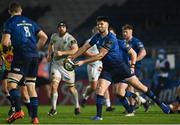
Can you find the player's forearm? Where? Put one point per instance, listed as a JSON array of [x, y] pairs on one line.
[[81, 50], [133, 56], [133, 59], [89, 54], [41, 43], [69, 52], [141, 54], [42, 39], [6, 40], [93, 59]]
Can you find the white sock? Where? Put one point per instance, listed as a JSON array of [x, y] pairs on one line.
[[76, 99], [142, 99], [27, 101], [87, 92], [54, 100], [108, 103]]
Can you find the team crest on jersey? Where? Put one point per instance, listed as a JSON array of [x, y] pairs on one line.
[[24, 21], [108, 44]]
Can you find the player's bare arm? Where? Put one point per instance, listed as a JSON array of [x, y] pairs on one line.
[[50, 51], [141, 54], [73, 50], [133, 56], [6, 39], [42, 39], [89, 54], [99, 56], [81, 50]]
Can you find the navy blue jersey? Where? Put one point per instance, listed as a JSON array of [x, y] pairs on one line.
[[114, 56], [23, 36], [124, 47], [137, 45]]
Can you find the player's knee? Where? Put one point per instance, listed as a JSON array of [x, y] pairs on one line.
[[30, 81], [69, 85], [72, 89], [12, 83], [120, 95], [93, 87], [12, 80], [100, 90]]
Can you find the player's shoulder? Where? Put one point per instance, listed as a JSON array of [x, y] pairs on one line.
[[97, 35], [69, 37], [121, 42], [54, 35], [9, 21], [136, 40], [111, 36]]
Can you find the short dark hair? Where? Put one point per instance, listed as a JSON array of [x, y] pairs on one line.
[[15, 7], [127, 26], [102, 18]]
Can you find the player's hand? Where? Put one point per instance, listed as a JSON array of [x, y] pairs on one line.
[[59, 53], [71, 57], [79, 63], [132, 70]]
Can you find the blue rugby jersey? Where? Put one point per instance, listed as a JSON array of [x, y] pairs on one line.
[[23, 36], [124, 47], [115, 55], [137, 45]]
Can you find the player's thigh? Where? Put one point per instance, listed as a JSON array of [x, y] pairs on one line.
[[93, 72], [71, 80], [13, 80], [32, 72], [55, 74], [134, 81]]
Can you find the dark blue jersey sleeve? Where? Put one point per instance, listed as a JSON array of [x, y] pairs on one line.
[[36, 28], [108, 44], [94, 39], [140, 45], [7, 28], [124, 45]]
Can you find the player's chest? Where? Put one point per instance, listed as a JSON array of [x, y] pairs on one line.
[[61, 43]]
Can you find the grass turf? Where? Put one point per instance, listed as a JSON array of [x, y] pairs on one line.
[[66, 116]]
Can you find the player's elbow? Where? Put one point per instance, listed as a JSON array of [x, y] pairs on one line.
[[100, 56], [42, 36], [143, 53]]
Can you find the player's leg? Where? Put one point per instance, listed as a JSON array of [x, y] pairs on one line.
[[55, 78], [25, 96], [13, 79], [72, 88], [6, 92], [102, 86], [131, 100], [134, 81], [121, 94], [30, 81], [93, 75], [75, 95], [109, 107], [88, 91]]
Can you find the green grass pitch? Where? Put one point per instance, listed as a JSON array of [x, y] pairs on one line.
[[66, 116]]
